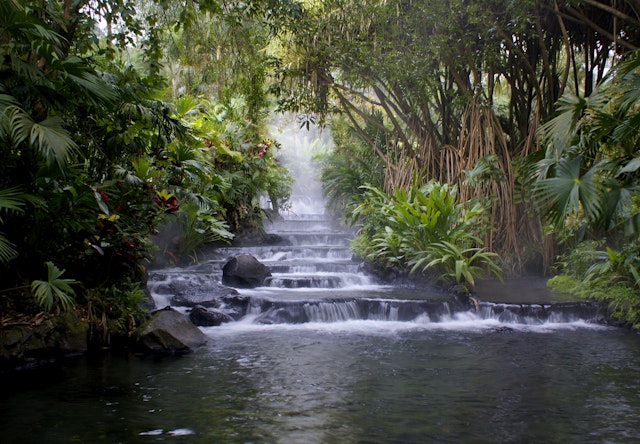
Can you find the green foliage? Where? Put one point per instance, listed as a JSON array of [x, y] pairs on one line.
[[424, 228], [196, 227], [590, 168], [607, 275], [240, 167], [55, 291], [93, 163], [347, 167], [462, 264], [11, 199], [114, 310], [588, 184], [578, 260]]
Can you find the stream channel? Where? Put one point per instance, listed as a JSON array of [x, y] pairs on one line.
[[325, 354]]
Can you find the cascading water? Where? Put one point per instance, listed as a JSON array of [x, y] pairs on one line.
[[315, 280], [322, 353]]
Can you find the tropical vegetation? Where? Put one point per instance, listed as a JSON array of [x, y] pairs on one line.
[[105, 165], [528, 108], [470, 137], [588, 183], [424, 227]]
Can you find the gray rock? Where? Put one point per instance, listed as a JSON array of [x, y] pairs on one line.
[[206, 295], [204, 317], [235, 306], [171, 332], [188, 290], [244, 271]]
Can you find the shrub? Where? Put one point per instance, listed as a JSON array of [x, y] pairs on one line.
[[422, 228], [607, 276]]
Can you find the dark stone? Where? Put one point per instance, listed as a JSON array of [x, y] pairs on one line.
[[244, 271], [189, 290], [208, 318], [171, 332], [235, 306], [147, 304], [33, 345], [206, 295]]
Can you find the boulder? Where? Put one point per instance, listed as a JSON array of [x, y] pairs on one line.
[[206, 295], [190, 289], [170, 332], [204, 317], [35, 342], [244, 271]]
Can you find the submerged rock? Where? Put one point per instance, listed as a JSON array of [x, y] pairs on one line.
[[189, 290], [235, 306], [171, 332], [204, 317], [244, 271], [206, 295]]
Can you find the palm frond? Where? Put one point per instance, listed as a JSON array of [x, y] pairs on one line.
[[627, 81], [185, 105], [48, 137], [561, 130], [85, 81], [55, 290], [12, 199], [570, 191], [7, 250], [53, 141]]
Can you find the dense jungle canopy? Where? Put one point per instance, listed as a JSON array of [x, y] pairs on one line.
[[470, 136]]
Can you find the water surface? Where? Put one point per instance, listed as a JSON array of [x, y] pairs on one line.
[[347, 382]]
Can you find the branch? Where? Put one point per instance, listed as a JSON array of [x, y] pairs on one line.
[[546, 65], [580, 18], [532, 73], [394, 121], [363, 134], [611, 10], [567, 45]]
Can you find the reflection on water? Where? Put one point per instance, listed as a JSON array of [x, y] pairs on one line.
[[347, 382], [520, 291]]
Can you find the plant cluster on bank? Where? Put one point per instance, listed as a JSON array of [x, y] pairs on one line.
[[423, 228], [102, 167]]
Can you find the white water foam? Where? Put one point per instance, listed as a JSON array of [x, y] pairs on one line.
[[461, 322], [276, 292]]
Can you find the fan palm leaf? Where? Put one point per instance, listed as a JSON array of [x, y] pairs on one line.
[[561, 130], [85, 80], [55, 290], [13, 200], [7, 250], [570, 190], [48, 137]]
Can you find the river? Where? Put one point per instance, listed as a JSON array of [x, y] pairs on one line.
[[327, 355], [346, 382]]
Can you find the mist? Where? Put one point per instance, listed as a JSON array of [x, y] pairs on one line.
[[300, 148]]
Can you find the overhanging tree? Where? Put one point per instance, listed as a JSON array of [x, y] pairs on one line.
[[457, 82]]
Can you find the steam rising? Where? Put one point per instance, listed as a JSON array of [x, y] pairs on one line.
[[300, 149]]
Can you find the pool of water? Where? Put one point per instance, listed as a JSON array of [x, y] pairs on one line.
[[346, 382]]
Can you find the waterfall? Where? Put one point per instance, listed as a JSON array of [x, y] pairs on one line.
[[315, 279]]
